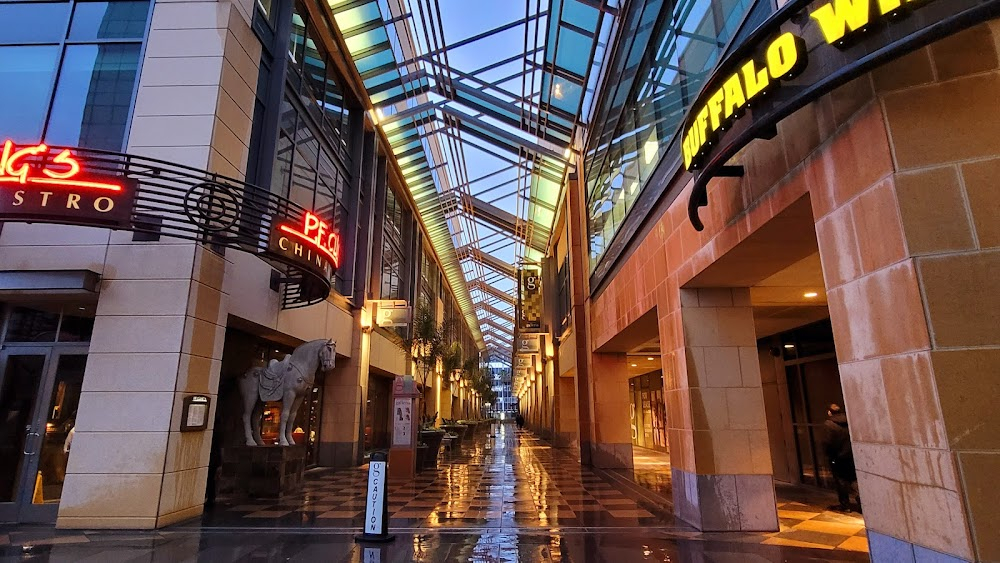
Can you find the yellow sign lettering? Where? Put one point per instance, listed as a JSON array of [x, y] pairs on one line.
[[18, 197], [839, 17], [755, 80], [73, 201], [735, 98], [785, 55]]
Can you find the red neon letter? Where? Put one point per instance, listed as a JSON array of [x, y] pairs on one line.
[[66, 158]]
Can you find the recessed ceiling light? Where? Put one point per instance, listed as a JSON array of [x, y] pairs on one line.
[[635, 365], [789, 346], [810, 294], [650, 358]]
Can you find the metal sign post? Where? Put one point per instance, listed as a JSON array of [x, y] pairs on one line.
[[376, 508]]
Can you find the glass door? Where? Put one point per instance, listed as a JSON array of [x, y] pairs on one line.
[[39, 396]]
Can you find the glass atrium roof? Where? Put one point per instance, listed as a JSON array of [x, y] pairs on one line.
[[481, 102]]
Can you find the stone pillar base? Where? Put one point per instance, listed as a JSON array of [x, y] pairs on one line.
[[725, 503], [261, 471], [611, 456], [887, 549]]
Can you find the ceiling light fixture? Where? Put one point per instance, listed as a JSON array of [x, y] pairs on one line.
[[789, 346], [810, 294], [635, 365], [650, 359]]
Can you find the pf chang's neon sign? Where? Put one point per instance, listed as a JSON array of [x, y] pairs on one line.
[[312, 243], [16, 168], [36, 186]]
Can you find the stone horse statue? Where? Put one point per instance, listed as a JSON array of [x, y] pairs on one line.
[[288, 381]]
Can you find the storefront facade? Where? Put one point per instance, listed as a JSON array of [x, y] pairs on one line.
[[869, 206], [109, 331]]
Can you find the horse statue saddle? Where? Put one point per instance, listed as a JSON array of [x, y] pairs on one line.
[[272, 378]]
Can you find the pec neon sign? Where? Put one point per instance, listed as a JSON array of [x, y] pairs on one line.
[[311, 243], [36, 185]]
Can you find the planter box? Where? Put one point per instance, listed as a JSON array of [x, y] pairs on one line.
[[433, 440], [261, 471]]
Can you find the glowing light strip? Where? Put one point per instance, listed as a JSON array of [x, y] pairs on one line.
[[64, 183]]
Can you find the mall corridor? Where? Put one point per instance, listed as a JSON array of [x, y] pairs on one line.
[[508, 496]]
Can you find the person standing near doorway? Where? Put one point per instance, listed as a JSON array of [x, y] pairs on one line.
[[840, 457]]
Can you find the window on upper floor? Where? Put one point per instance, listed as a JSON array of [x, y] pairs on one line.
[[68, 71]]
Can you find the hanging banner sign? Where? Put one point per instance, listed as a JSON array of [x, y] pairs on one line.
[[529, 343], [805, 50], [529, 299], [39, 187], [524, 361], [391, 313]]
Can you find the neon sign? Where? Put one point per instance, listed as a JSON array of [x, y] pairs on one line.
[[310, 243], [36, 185], [317, 234], [16, 167]]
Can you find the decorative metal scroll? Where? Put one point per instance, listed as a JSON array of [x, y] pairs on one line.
[[169, 200]]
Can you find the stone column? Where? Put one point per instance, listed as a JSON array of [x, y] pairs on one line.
[[576, 213], [345, 392], [725, 483], [612, 445], [160, 323], [911, 256]]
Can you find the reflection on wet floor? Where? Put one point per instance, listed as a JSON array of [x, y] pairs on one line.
[[508, 497], [802, 511]]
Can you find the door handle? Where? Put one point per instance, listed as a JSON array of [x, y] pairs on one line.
[[27, 438]]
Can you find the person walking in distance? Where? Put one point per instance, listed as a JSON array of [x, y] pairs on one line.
[[840, 457]]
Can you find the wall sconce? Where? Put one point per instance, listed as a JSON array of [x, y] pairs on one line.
[[366, 320], [550, 351]]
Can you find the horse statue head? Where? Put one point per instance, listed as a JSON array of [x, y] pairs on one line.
[[328, 356]]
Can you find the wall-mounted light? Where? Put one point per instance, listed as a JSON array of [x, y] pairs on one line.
[[366, 319]]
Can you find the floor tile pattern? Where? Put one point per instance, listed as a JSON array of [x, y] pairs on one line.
[[508, 497], [504, 479]]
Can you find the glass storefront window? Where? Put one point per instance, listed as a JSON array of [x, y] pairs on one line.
[[30, 325], [33, 22], [91, 101], [668, 52], [109, 20], [27, 74], [94, 94]]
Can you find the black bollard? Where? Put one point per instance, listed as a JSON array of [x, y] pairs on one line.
[[376, 528]]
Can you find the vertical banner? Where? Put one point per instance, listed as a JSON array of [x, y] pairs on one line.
[[529, 299]]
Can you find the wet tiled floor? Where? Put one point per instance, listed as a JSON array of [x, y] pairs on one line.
[[804, 520], [508, 497], [505, 479]]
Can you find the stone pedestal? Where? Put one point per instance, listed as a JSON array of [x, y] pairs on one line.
[[261, 471]]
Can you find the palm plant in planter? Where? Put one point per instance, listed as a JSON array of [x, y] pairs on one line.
[[426, 346]]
